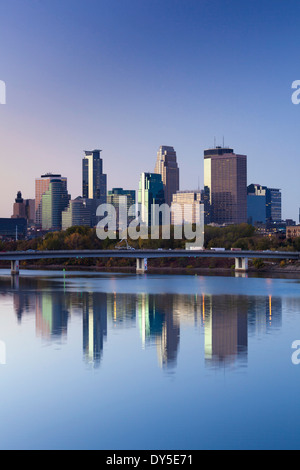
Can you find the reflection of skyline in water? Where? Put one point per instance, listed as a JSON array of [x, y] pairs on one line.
[[159, 321], [226, 321], [94, 326], [225, 331], [52, 312]]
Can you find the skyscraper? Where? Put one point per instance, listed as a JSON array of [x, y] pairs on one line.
[[187, 207], [264, 204], [225, 180], [24, 208], [273, 201], [94, 182], [54, 201], [19, 207], [151, 191], [78, 212], [41, 186], [256, 204], [166, 166], [122, 200]]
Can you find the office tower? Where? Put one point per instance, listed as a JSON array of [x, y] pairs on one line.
[[24, 208], [54, 201], [19, 210], [166, 166], [273, 202], [94, 182], [151, 191], [264, 205], [78, 212], [41, 186], [122, 200], [187, 207], [256, 204], [30, 210], [225, 177], [207, 207]]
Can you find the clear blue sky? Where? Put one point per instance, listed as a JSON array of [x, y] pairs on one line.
[[127, 76]]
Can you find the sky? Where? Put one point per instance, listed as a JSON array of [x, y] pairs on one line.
[[127, 76]]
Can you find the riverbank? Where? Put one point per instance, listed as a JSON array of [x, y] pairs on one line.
[[268, 269]]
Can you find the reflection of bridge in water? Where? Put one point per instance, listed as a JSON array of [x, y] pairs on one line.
[[225, 320]]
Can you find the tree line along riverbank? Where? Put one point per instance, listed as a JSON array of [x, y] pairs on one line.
[[242, 236]]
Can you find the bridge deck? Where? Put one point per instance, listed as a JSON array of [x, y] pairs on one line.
[[63, 254]]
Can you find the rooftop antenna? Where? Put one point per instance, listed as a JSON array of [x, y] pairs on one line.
[[214, 142], [223, 142]]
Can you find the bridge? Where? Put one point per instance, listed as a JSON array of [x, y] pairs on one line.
[[141, 256]]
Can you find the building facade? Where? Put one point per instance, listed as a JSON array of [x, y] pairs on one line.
[[19, 210], [24, 208], [54, 201], [41, 186], [150, 192], [273, 202], [94, 181], [166, 166], [122, 200], [13, 228], [256, 204], [225, 183], [293, 231], [78, 212], [187, 207], [263, 205]]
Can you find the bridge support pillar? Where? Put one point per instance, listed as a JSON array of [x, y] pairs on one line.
[[241, 264], [15, 267], [141, 265]]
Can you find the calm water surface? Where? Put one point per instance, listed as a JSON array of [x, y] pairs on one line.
[[111, 361]]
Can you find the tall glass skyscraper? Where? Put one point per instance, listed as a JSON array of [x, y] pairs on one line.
[[151, 191], [225, 182], [273, 202], [94, 182], [41, 186], [166, 166], [77, 213], [256, 204], [264, 204], [54, 201]]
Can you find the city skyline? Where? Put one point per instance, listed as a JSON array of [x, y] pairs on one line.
[[223, 171], [163, 72]]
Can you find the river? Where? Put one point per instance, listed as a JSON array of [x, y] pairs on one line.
[[125, 361]]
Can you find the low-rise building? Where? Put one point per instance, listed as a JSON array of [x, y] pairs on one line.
[[293, 231]]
